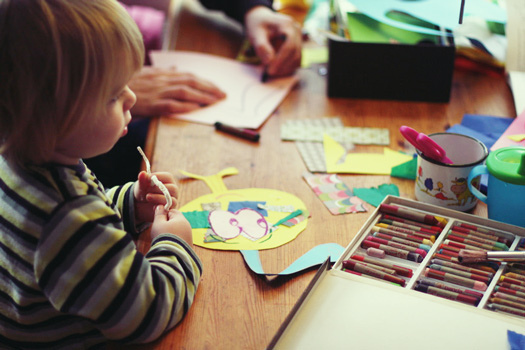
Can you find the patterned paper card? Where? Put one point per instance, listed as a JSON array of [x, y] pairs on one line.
[[315, 129], [336, 196]]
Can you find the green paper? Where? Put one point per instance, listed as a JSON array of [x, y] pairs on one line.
[[375, 196], [407, 170], [363, 28], [197, 219]]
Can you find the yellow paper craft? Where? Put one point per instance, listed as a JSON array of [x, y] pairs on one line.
[[517, 138], [220, 194], [313, 55], [338, 161]]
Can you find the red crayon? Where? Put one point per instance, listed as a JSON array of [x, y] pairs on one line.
[[460, 246], [495, 246], [359, 267], [449, 253], [437, 229], [482, 230], [510, 297], [429, 236], [447, 294], [478, 235], [516, 276], [507, 309], [510, 291], [407, 226], [448, 277], [507, 302], [401, 235], [465, 274], [446, 257], [400, 270], [403, 241], [365, 275], [409, 214], [462, 267], [512, 281], [449, 248], [399, 253], [346, 265], [419, 251], [512, 286], [456, 289]]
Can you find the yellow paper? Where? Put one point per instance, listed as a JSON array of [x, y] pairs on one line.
[[313, 55], [517, 138], [360, 163], [274, 239]]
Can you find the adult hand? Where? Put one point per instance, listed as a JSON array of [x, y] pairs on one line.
[[163, 91], [266, 30]]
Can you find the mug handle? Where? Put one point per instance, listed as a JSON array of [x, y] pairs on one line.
[[477, 171]]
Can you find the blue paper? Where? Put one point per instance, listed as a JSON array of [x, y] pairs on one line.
[[516, 340], [314, 257], [254, 205], [487, 129]]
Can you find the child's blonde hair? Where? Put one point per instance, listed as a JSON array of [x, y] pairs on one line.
[[59, 60]]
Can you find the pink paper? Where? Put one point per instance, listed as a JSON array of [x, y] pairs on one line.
[[517, 127]]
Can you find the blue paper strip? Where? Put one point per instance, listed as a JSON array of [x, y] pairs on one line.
[[314, 257]]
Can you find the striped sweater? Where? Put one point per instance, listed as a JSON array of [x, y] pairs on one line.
[[70, 274]]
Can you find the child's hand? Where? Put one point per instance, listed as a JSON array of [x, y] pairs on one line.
[[172, 222], [148, 196]]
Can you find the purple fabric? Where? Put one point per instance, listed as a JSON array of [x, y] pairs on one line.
[[151, 24]]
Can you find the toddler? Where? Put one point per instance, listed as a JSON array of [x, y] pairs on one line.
[[70, 274]]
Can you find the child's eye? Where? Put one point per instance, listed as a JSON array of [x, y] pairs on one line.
[[116, 98]]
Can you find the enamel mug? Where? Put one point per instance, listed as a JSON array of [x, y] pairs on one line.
[[445, 185]]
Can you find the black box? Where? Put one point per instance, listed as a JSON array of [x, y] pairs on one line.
[[420, 72]]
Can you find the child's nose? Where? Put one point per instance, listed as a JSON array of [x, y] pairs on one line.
[[131, 99]]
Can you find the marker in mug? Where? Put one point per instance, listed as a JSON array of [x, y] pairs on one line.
[[246, 134]]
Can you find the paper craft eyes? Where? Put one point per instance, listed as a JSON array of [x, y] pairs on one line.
[[247, 222]]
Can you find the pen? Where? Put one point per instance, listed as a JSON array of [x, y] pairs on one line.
[[246, 134]]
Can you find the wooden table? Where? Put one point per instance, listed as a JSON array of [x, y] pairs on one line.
[[235, 308]]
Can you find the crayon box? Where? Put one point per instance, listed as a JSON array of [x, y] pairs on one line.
[[399, 284]]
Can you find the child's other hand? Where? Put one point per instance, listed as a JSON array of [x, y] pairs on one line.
[[148, 196], [172, 222]]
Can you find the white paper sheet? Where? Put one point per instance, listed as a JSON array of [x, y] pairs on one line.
[[515, 64], [248, 103]]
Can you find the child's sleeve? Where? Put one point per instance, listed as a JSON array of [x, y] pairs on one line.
[[124, 201], [88, 267]]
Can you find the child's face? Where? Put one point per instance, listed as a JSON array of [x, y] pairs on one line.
[[98, 133]]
